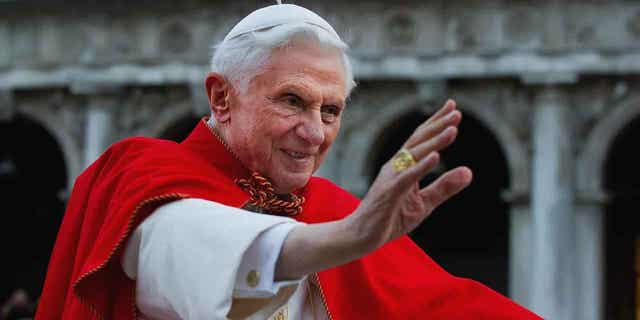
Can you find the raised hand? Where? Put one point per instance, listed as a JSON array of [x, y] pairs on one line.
[[395, 204]]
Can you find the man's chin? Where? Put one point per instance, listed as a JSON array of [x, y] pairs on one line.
[[292, 183]]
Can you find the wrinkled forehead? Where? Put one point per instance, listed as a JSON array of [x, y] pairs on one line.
[[306, 64]]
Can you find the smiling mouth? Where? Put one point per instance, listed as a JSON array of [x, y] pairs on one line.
[[297, 155]]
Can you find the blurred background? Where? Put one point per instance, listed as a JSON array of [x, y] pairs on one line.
[[551, 129]]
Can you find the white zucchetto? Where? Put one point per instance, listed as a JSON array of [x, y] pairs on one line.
[[275, 15]]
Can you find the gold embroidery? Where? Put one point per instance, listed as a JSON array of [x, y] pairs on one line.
[[322, 297], [282, 314], [310, 298]]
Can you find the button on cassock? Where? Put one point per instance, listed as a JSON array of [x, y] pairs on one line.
[[253, 278]]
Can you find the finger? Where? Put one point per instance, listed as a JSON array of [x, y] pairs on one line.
[[449, 106], [413, 174], [433, 126], [443, 140], [445, 187], [428, 130]]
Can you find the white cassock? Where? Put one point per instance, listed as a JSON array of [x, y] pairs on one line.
[[192, 257]]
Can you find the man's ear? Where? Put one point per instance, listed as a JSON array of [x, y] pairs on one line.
[[218, 90]]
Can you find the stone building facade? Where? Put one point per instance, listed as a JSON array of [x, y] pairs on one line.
[[550, 93]]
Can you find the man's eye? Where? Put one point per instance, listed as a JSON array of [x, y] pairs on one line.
[[330, 113], [293, 100], [331, 110]]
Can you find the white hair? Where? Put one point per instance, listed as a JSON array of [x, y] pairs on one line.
[[242, 58]]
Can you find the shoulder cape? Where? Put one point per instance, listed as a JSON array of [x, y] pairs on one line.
[[137, 175]]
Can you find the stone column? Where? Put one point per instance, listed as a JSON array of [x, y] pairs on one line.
[[98, 129], [552, 269], [519, 245], [101, 104], [590, 255]]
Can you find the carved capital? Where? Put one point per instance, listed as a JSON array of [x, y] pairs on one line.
[[94, 87], [550, 95], [432, 90]]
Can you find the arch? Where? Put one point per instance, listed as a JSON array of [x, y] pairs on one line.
[[362, 141], [354, 174], [33, 177], [479, 247], [621, 223], [590, 223], [593, 156], [57, 129], [515, 151]]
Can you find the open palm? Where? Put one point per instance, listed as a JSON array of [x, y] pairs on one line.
[[395, 204]]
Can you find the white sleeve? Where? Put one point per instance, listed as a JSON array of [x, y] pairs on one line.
[[262, 257], [186, 258]]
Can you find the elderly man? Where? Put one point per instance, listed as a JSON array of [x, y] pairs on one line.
[[231, 224]]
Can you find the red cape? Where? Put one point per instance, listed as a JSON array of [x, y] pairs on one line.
[[135, 176]]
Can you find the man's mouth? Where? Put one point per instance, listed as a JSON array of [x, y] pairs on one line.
[[297, 155]]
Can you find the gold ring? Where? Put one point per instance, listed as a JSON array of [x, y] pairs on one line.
[[403, 160]]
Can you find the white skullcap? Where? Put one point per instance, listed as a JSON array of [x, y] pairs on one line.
[[276, 15]]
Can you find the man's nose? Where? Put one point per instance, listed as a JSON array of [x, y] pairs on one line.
[[311, 129]]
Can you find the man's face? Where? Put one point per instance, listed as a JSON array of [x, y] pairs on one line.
[[285, 123]]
